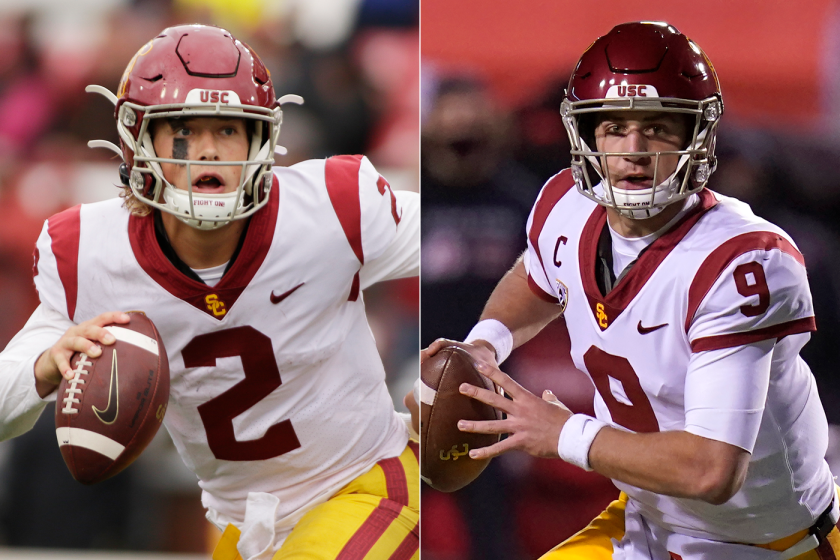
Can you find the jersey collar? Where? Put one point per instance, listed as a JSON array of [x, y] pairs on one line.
[[218, 300], [607, 308]]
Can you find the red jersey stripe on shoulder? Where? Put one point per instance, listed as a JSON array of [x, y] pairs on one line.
[[64, 229], [540, 293], [719, 342], [554, 190], [341, 174], [720, 258]]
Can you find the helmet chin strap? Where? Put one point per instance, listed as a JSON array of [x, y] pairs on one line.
[[637, 204], [205, 206], [625, 197]]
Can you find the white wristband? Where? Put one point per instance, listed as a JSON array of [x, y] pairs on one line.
[[497, 334], [576, 438], [416, 391], [406, 418]]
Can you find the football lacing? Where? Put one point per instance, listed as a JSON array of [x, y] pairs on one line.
[[73, 385]]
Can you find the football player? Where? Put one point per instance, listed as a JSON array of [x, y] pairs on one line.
[[253, 275], [687, 311]]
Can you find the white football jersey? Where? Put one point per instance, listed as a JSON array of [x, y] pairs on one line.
[[720, 278], [276, 382]]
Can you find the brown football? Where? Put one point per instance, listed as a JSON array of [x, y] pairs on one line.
[[114, 404], [445, 463]]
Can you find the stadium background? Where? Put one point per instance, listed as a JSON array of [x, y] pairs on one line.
[[355, 62], [493, 76]]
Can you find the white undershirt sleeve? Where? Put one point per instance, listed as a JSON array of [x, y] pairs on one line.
[[20, 405], [726, 391]]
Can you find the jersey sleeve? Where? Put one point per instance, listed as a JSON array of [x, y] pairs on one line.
[[56, 262], [20, 405], [549, 196], [537, 279], [752, 288], [402, 256], [381, 211], [726, 392], [366, 207]]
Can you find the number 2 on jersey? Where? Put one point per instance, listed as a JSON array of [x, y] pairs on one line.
[[382, 185], [261, 378]]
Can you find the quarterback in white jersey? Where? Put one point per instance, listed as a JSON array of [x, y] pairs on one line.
[[687, 312], [253, 276]]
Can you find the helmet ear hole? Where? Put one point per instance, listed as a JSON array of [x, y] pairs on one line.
[[586, 127], [689, 121], [148, 185]]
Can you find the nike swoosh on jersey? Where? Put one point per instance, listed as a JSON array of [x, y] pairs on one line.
[[648, 330], [284, 295], [109, 415]]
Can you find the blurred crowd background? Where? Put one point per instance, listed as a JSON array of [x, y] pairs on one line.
[[356, 63], [493, 76]]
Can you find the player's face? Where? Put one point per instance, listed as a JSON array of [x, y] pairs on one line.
[[202, 139], [640, 131]]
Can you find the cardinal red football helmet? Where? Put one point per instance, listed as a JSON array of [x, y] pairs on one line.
[[196, 71], [643, 66]]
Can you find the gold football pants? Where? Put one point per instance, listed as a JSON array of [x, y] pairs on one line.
[[594, 541], [375, 517]]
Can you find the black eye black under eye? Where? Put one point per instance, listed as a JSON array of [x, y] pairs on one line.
[[179, 148]]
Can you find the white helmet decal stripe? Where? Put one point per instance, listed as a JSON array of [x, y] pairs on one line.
[[620, 91], [212, 97]]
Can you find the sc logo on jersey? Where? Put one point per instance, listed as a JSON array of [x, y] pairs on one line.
[[601, 315], [215, 305]]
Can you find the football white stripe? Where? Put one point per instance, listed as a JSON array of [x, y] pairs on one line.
[[427, 394], [89, 440], [135, 338]]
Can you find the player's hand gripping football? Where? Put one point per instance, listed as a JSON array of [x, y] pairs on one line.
[[85, 337], [533, 423], [481, 351]]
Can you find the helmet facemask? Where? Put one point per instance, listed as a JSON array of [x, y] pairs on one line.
[[695, 165], [201, 210]]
